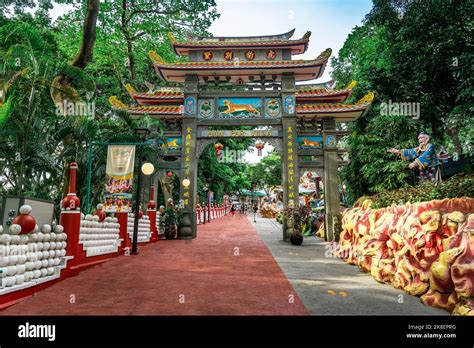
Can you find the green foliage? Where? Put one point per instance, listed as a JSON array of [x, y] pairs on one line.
[[455, 187], [267, 173], [36, 143], [407, 51]]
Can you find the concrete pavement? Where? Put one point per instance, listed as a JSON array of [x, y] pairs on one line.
[[329, 286]]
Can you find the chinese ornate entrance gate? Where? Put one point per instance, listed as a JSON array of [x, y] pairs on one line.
[[251, 81]]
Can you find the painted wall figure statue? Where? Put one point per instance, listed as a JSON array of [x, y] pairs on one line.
[[422, 157]]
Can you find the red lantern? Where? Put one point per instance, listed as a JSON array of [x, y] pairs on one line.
[[218, 147], [169, 174], [259, 145]]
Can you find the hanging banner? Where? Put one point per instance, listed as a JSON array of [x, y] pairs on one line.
[[119, 178]]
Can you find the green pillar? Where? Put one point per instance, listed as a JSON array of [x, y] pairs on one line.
[[290, 171], [189, 159], [332, 221]]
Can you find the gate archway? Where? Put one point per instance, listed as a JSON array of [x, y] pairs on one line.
[[251, 81]]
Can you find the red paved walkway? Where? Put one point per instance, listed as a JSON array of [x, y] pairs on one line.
[[203, 271]]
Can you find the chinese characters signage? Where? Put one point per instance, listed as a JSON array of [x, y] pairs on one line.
[[292, 165], [187, 164]]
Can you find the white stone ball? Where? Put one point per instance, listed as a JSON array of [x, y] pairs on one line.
[[45, 254], [11, 270], [23, 249], [52, 245], [28, 276], [47, 237], [20, 279], [20, 269], [14, 229], [44, 272], [24, 239], [63, 245], [10, 281], [13, 250], [52, 253], [82, 216], [5, 238], [12, 260], [4, 261], [59, 229], [1, 229], [39, 246], [36, 273], [50, 270], [63, 236], [46, 228], [95, 218], [46, 245], [33, 237], [15, 239], [44, 263], [50, 262], [38, 264], [22, 258], [63, 252], [30, 265], [39, 255], [40, 236], [25, 209], [57, 253], [89, 217], [53, 236], [56, 261], [36, 229]]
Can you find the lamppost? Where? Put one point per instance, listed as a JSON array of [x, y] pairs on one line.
[[205, 188], [141, 133], [254, 186]]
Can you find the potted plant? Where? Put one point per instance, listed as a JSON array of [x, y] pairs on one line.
[[170, 219], [295, 219]]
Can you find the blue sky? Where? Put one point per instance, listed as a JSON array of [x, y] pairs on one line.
[[330, 21]]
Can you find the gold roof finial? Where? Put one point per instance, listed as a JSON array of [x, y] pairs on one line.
[[325, 55], [171, 37], [351, 85], [366, 99], [130, 88], [117, 103], [307, 35], [155, 57]]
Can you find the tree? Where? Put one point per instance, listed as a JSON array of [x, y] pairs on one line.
[[267, 173], [416, 51]]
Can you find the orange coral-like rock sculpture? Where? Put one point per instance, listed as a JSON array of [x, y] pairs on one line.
[[426, 249]]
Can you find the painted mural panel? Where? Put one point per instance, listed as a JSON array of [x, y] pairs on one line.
[[189, 105], [240, 107], [273, 108], [206, 108], [172, 143], [310, 142]]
